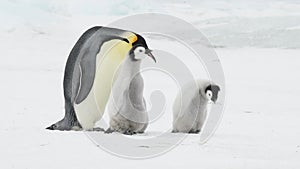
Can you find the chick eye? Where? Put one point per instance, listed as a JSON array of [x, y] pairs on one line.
[[140, 50], [209, 94]]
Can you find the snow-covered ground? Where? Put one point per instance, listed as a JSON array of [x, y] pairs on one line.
[[260, 125]]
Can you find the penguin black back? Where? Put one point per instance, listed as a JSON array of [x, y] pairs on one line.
[[72, 58]]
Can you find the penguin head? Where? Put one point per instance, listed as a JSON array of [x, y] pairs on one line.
[[140, 50], [211, 92]]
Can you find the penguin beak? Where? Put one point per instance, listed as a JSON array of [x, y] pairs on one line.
[[214, 100], [148, 52]]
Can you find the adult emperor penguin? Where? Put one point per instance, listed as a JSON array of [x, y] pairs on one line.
[[191, 105], [89, 74], [127, 108]]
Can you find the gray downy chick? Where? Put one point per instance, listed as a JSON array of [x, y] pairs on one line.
[[126, 107], [191, 105]]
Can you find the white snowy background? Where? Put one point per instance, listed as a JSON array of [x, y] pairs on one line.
[[258, 43]]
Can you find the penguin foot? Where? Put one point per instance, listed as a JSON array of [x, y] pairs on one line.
[[194, 131], [109, 130], [76, 128], [174, 131], [129, 132], [52, 127], [64, 128], [65, 124], [98, 129]]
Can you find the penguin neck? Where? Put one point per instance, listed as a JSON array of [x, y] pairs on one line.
[[127, 71], [130, 68]]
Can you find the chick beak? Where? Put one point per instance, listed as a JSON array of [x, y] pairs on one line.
[[148, 52], [213, 101]]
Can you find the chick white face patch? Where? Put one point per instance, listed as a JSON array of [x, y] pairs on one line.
[[139, 53], [209, 95]]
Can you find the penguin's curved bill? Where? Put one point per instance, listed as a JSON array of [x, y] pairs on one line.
[[148, 52]]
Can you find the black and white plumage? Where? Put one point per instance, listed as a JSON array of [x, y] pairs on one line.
[[191, 105], [127, 107], [88, 75]]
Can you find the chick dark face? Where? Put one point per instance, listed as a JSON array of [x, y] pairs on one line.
[[212, 92]]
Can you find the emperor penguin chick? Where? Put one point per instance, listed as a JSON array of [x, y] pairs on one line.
[[127, 108], [191, 105]]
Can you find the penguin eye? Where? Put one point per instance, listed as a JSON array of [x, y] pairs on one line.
[[209, 94], [140, 49]]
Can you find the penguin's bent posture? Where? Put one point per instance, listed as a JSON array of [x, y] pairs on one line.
[[190, 106], [127, 108], [89, 74]]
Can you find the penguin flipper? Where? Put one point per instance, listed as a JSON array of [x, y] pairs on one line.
[[87, 66], [88, 63], [87, 76]]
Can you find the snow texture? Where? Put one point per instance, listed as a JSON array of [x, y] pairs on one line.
[[257, 43]]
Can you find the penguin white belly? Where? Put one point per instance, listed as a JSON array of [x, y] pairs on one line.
[[109, 58]]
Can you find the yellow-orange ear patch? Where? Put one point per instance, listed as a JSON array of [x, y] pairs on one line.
[[132, 38]]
